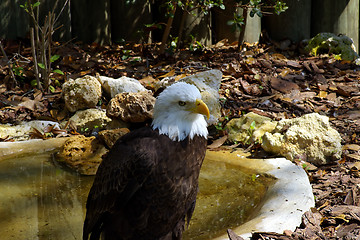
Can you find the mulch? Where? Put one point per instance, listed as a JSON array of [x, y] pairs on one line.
[[270, 81]]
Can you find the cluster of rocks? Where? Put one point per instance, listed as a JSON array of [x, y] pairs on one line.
[[309, 138], [130, 103]]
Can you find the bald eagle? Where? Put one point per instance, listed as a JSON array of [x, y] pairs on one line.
[[146, 186]]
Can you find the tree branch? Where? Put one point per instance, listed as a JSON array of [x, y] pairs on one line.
[[8, 63]]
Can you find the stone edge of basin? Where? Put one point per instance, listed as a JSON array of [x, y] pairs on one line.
[[287, 200], [11, 149]]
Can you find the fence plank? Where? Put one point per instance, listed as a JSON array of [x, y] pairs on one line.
[[13, 21], [91, 21], [293, 24], [336, 16]]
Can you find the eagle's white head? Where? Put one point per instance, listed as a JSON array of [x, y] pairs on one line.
[[179, 112]]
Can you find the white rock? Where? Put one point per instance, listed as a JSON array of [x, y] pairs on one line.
[[21, 131], [310, 137], [92, 118], [124, 84], [81, 93], [208, 83]]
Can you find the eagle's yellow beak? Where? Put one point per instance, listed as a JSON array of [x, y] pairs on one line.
[[200, 107]]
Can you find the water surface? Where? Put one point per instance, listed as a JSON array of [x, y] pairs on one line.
[[39, 200]]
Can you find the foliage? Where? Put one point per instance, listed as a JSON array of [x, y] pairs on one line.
[[257, 8], [41, 43], [237, 22], [280, 7], [197, 7], [189, 7]]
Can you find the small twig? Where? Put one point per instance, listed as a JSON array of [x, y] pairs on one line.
[[62, 9], [33, 51], [8, 63], [41, 41], [181, 28], [167, 29], [49, 37], [34, 19], [242, 30]]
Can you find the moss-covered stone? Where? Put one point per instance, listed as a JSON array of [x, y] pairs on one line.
[[342, 47], [249, 128]]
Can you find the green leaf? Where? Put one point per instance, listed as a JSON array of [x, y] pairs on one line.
[[253, 177], [41, 65], [33, 83], [36, 4], [252, 125], [51, 89], [24, 6], [58, 71], [54, 58], [57, 83]]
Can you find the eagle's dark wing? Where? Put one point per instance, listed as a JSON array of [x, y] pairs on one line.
[[145, 187], [120, 175]]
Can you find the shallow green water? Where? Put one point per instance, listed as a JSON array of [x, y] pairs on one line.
[[39, 200]]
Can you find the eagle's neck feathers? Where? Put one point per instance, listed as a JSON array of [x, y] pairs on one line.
[[177, 128]]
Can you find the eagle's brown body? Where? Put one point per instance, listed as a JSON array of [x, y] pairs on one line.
[[145, 187]]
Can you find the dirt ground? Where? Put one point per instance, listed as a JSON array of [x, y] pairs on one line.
[[275, 80]]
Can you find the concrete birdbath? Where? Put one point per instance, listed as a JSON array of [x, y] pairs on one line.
[[40, 200]]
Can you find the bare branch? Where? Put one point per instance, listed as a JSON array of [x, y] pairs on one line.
[[62, 9], [167, 29], [33, 51], [8, 63]]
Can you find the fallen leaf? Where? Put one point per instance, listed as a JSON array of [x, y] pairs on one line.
[[83, 73], [218, 142], [322, 94], [285, 72], [250, 61], [353, 156], [292, 63], [316, 68], [346, 91], [327, 203], [278, 56], [29, 104], [249, 53], [353, 147], [148, 81], [283, 86], [331, 97], [251, 89], [178, 77], [37, 134], [343, 231], [67, 60], [169, 74], [233, 236], [350, 115]]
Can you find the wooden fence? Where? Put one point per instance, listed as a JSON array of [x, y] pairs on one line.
[[111, 21]]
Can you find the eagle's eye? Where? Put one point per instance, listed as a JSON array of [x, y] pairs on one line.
[[182, 103]]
